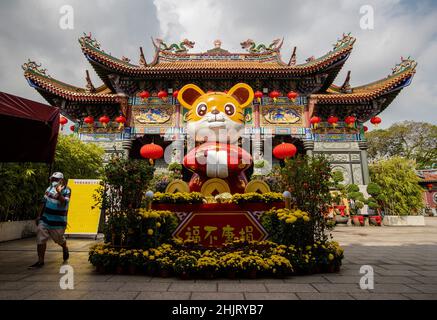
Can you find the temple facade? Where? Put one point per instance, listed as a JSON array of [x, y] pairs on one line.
[[295, 103]]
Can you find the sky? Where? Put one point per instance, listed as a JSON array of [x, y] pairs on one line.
[[31, 29]]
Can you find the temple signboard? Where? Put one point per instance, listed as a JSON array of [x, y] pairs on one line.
[[214, 229]]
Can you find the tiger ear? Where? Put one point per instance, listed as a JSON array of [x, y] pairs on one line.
[[188, 94], [243, 93]]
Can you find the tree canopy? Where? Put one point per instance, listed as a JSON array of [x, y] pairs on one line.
[[23, 184], [412, 140], [399, 192]]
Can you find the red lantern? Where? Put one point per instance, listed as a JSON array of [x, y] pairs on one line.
[[429, 186], [274, 95], [375, 121], [104, 120], [121, 120], [284, 150], [292, 95], [175, 93], [350, 121], [72, 127], [333, 120], [258, 95], [144, 95], [88, 120], [162, 94], [365, 128], [63, 121], [315, 121], [151, 151]]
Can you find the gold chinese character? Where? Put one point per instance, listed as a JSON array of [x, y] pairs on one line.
[[209, 230], [228, 233], [194, 235], [246, 233]]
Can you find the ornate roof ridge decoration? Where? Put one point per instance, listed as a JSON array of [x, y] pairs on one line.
[[38, 79], [250, 46], [86, 41], [401, 77], [33, 66], [168, 61]]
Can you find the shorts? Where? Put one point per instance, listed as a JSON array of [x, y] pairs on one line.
[[43, 234]]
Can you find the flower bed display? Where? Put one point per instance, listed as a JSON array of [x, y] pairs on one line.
[[237, 259]]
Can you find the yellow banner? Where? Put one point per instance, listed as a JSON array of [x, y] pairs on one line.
[[82, 218]]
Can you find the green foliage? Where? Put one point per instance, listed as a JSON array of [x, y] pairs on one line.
[[174, 166], [160, 181], [373, 189], [308, 179], [412, 140], [125, 181], [76, 159], [352, 188], [400, 192], [273, 179], [23, 184]]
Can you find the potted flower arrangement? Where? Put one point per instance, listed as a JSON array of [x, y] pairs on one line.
[[231, 263], [252, 265], [165, 266], [207, 267], [279, 265], [185, 266]]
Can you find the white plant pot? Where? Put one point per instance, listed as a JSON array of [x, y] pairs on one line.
[[14, 230], [404, 220]]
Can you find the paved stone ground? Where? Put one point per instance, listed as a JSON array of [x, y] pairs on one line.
[[404, 261]]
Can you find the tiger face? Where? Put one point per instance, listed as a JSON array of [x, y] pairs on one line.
[[215, 115]]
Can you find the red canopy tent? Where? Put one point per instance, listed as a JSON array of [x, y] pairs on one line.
[[28, 130]]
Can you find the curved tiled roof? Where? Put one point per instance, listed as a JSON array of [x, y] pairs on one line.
[[205, 63], [400, 78], [41, 81]]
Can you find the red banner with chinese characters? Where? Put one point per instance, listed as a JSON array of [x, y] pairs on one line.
[[214, 229]]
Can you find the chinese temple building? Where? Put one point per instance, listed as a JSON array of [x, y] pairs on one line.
[[294, 103]]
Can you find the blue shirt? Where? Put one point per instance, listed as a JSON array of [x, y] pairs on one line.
[[55, 214]]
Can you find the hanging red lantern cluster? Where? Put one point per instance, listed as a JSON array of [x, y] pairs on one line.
[[315, 121], [375, 121], [284, 150], [292, 95], [365, 128], [429, 186], [274, 95], [258, 95], [350, 121], [151, 151], [333, 120], [175, 94]]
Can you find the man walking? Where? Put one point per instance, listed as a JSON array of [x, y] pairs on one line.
[[53, 218]]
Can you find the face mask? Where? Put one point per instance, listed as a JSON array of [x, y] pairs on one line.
[[55, 183]]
